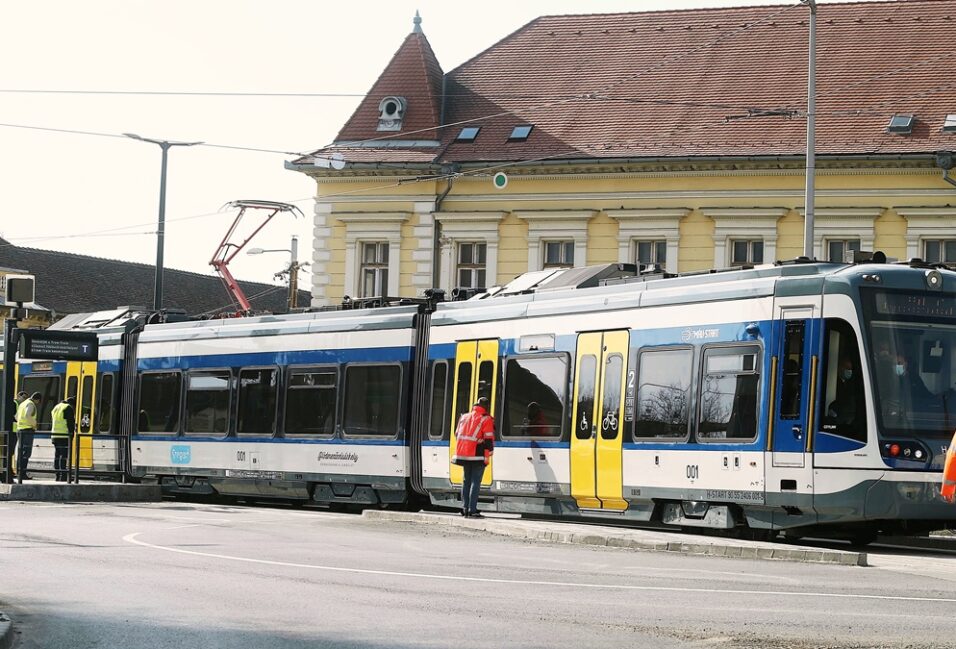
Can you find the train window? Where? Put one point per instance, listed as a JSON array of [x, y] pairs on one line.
[[207, 402], [486, 376], [85, 416], [791, 384], [587, 381], [663, 394], [841, 391], [104, 402], [438, 421], [372, 397], [71, 386], [258, 396], [310, 402], [49, 388], [611, 408], [728, 394], [463, 391], [536, 390], [159, 394]]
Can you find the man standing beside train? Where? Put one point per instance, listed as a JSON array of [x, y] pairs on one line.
[[475, 445], [26, 425], [64, 425]]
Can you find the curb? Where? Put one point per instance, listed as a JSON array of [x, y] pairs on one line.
[[6, 631], [88, 492], [634, 539]]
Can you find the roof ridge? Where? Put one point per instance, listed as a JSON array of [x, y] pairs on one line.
[[687, 10]]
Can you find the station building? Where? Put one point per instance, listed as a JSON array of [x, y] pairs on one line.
[[673, 137]]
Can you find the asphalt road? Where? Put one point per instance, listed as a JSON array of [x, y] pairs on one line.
[[182, 575]]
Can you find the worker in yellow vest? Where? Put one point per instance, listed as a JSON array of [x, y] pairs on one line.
[[25, 427], [64, 425], [12, 442]]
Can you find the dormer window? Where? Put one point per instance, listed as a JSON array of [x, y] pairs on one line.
[[391, 112], [520, 133], [901, 124], [468, 134], [949, 124]]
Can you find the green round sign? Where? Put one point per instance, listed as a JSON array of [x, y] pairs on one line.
[[500, 180]]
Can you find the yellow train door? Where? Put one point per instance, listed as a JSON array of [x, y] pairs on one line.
[[81, 381], [597, 438], [476, 375]]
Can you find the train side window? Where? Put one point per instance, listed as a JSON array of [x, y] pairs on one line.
[[791, 385], [310, 401], [438, 421], [104, 402], [587, 384], [258, 396], [843, 405], [536, 391], [663, 393], [729, 394], [463, 391], [207, 402], [372, 399], [49, 388], [159, 395]]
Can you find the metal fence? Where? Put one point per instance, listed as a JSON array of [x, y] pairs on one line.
[[117, 468]]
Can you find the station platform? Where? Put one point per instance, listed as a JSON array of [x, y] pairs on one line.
[[46, 489], [628, 538]]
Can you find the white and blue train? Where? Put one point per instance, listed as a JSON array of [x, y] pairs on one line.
[[801, 396]]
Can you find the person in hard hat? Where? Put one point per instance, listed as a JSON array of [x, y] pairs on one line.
[[64, 426], [25, 427]]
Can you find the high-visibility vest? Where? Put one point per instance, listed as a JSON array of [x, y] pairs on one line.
[[59, 420], [475, 430], [27, 415], [948, 489]]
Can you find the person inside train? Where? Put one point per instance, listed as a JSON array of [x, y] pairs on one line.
[[535, 423], [911, 385], [848, 403]]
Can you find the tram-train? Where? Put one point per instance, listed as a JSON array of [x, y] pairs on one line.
[[704, 400]]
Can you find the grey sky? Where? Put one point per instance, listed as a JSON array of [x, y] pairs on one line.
[[54, 184]]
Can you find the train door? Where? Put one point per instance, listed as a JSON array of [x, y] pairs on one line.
[[793, 410], [81, 381], [476, 375], [597, 438]]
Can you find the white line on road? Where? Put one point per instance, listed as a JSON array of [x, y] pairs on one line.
[[131, 538]]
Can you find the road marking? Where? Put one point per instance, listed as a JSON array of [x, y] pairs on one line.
[[131, 538]]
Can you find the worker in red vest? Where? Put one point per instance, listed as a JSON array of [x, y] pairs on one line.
[[476, 443], [948, 489]]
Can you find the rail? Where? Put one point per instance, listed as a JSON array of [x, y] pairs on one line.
[[73, 455]]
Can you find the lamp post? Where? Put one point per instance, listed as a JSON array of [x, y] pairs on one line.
[[165, 145], [811, 125], [292, 270]]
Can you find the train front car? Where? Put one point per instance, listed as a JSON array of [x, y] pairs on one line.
[[883, 433], [311, 406]]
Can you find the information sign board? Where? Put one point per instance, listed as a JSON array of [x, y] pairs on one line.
[[43, 344]]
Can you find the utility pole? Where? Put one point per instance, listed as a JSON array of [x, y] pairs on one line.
[[811, 127], [294, 275]]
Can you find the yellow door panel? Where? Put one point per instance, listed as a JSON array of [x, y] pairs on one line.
[[585, 423], [81, 382], [487, 386], [610, 479], [466, 355]]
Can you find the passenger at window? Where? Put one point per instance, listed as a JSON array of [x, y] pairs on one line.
[[535, 423], [911, 384], [846, 408]]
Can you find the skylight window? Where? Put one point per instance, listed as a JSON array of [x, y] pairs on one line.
[[520, 133], [468, 134], [902, 124], [949, 125]]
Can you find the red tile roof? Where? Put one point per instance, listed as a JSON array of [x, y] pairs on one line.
[[687, 83]]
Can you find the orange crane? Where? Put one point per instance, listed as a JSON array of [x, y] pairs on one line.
[[227, 250]]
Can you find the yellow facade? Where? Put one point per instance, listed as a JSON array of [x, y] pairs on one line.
[[699, 212]]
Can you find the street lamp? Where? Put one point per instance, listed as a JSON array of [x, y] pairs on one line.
[[292, 270], [811, 123], [165, 146]]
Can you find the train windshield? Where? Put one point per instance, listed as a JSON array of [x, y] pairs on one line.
[[912, 355]]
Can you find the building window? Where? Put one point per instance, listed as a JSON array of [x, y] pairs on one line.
[[647, 253], [747, 252], [559, 254], [472, 258], [940, 251], [374, 271], [837, 249]]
